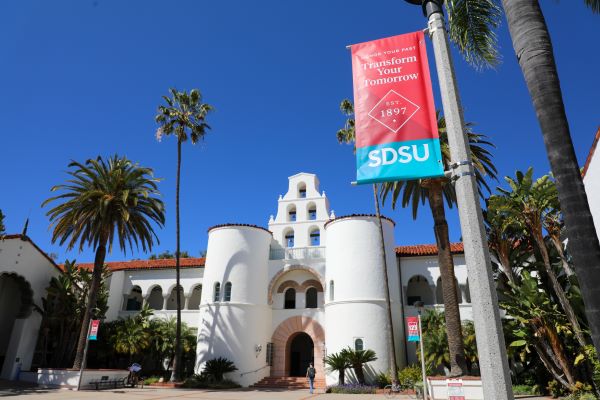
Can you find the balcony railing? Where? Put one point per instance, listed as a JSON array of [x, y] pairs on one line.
[[297, 253]]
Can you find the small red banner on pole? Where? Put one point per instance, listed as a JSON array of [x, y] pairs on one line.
[[94, 325], [413, 329]]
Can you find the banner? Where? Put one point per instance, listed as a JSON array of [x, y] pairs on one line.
[[94, 325], [413, 329], [396, 125]]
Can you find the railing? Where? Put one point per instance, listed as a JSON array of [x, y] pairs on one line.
[[297, 253]]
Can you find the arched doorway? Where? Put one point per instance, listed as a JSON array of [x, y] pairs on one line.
[[301, 353], [293, 334], [15, 303]]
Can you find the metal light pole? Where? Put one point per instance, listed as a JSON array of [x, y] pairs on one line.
[[419, 306], [493, 361]]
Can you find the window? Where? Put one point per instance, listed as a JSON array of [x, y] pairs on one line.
[[290, 298], [292, 216], [194, 301], [312, 213], [331, 295], [270, 354], [315, 238], [311, 298], [289, 239], [359, 344], [134, 300], [227, 295], [302, 190], [217, 292]]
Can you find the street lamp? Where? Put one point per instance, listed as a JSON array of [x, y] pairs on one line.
[[419, 306], [486, 315]]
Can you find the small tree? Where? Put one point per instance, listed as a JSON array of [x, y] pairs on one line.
[[2, 227], [357, 358], [338, 362]]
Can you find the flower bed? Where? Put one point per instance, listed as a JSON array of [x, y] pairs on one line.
[[352, 388]]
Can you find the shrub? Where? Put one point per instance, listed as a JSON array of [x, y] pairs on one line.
[[206, 382], [352, 389], [151, 379], [410, 375], [383, 379], [525, 389], [217, 367], [556, 389]]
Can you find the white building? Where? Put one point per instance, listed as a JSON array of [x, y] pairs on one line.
[[25, 272], [274, 299], [591, 181]]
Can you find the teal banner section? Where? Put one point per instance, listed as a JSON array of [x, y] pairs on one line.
[[399, 161]]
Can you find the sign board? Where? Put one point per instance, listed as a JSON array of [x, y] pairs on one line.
[[396, 125], [94, 325], [413, 329], [455, 389]]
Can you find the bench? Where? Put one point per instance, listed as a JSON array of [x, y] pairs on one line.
[[106, 383]]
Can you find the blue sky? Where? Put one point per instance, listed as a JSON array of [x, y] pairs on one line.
[[83, 78]]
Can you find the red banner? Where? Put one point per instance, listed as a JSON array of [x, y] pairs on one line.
[[94, 325], [396, 126], [412, 324]]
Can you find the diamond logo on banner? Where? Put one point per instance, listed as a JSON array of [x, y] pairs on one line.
[[393, 111]]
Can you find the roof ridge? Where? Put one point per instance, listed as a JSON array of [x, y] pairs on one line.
[[588, 160]]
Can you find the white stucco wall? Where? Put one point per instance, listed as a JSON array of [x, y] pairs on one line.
[[591, 180], [233, 329], [22, 258], [358, 308]]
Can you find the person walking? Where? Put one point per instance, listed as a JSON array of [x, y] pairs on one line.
[[310, 374]]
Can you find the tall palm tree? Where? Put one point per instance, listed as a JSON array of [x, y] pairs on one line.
[[102, 201], [527, 202], [471, 26], [435, 191], [533, 47], [184, 116]]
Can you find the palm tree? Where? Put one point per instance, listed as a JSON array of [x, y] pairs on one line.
[[183, 116], [339, 362], [527, 203], [131, 337], [533, 47], [357, 358], [104, 200], [471, 26], [435, 191]]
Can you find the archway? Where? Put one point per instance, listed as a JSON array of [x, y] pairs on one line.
[[16, 299], [301, 353], [285, 335]]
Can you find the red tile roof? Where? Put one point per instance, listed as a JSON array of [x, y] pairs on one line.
[[234, 224], [149, 264], [426, 249], [591, 153]]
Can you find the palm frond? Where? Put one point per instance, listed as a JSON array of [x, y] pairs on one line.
[[472, 26]]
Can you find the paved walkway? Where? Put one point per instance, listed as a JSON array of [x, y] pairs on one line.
[[20, 391]]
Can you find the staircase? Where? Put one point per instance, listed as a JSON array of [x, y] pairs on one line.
[[287, 382]]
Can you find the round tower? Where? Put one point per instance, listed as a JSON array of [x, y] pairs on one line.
[[355, 306], [235, 318]]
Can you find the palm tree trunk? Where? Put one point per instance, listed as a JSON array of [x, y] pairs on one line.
[[342, 377], [458, 364], [560, 293], [176, 375], [533, 47], [360, 374], [92, 297]]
